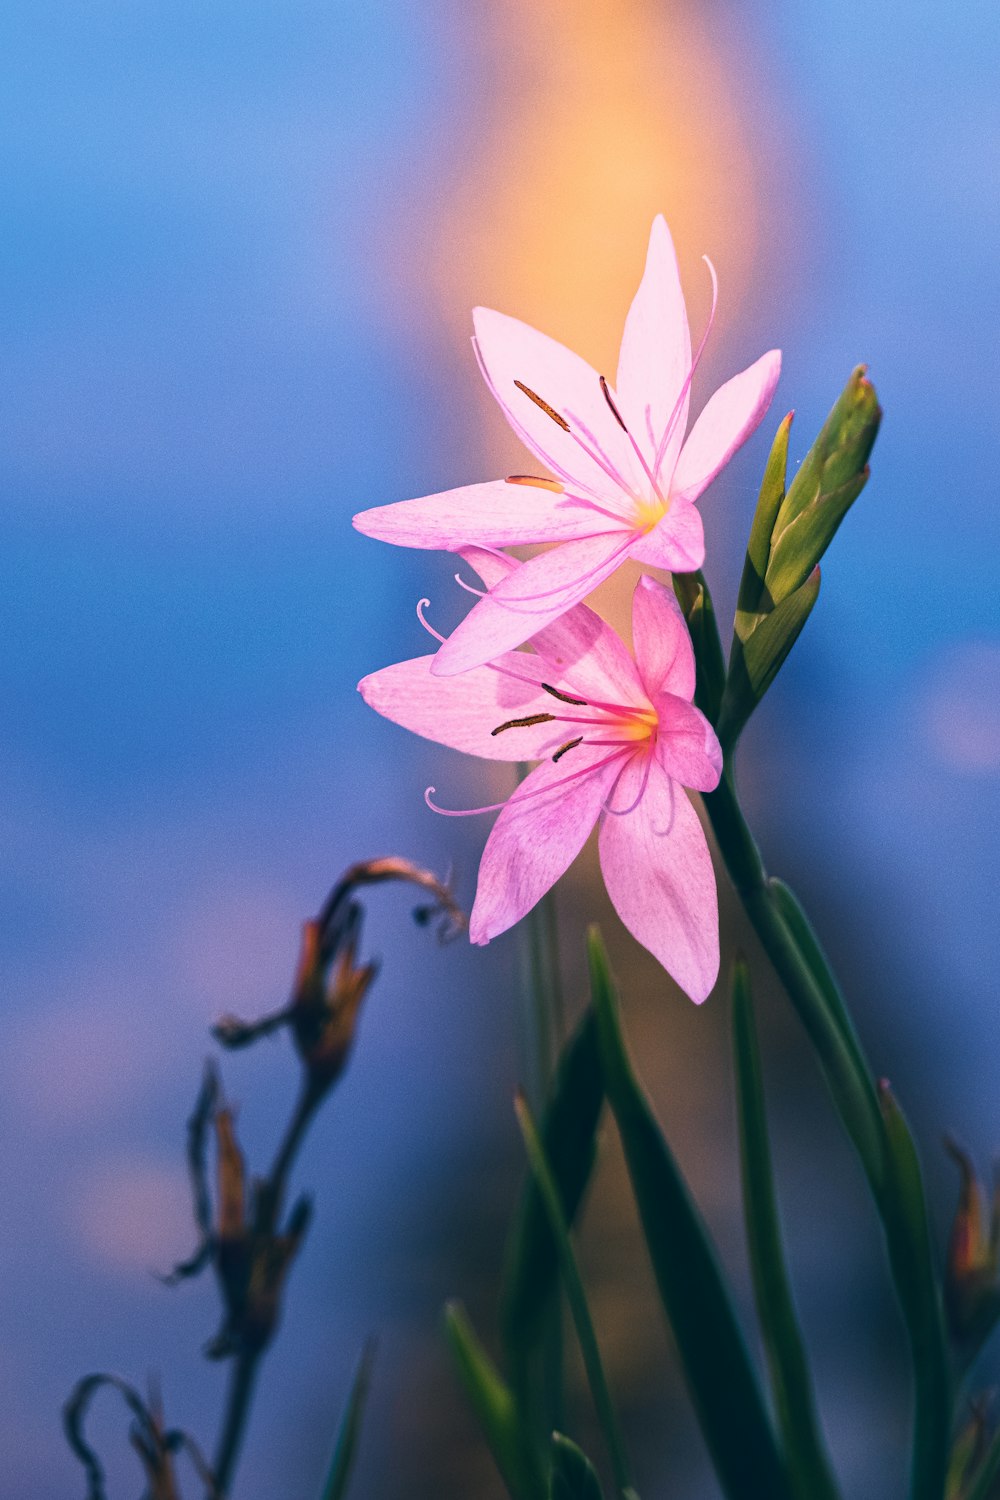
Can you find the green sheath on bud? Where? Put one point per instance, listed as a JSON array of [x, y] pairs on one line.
[[791, 531]]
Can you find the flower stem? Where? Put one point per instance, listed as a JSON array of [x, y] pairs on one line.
[[542, 1038], [819, 1005]]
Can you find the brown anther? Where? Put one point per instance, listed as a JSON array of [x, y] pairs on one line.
[[564, 749], [535, 482], [546, 408], [614, 410], [524, 723], [564, 697]]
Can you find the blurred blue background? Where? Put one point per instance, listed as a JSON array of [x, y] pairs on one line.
[[239, 252]]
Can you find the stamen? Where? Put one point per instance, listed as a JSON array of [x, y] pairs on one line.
[[564, 697], [544, 405], [638, 451], [518, 426], [541, 484], [469, 587], [564, 749], [524, 723], [620, 812], [521, 795], [423, 604], [685, 388]]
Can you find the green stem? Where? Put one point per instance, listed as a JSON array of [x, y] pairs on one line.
[[852, 1087], [576, 1296], [543, 1030]]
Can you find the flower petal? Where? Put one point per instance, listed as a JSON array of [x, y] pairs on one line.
[[581, 653], [495, 514], [659, 875], [728, 419], [528, 600], [661, 641], [686, 744], [462, 711], [676, 543], [510, 351], [655, 352], [537, 837]]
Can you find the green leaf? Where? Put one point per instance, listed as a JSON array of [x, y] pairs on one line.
[[573, 1476], [791, 1381], [569, 1137], [575, 1295], [512, 1449], [829, 480], [756, 663], [346, 1444], [911, 1253], [751, 603], [720, 1377]]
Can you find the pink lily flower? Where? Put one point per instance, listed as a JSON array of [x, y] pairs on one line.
[[626, 480], [618, 739]]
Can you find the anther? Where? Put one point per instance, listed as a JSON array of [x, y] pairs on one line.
[[614, 410], [541, 484], [563, 697], [524, 723], [569, 745], [546, 408]]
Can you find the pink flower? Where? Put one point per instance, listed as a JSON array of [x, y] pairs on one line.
[[618, 739], [626, 481]]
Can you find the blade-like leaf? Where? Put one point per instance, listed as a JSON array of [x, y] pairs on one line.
[[912, 1255], [511, 1446], [569, 1137], [576, 1296], [573, 1476], [791, 1381], [720, 1377], [346, 1444]]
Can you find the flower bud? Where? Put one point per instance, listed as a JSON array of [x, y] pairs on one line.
[[791, 531], [971, 1286]]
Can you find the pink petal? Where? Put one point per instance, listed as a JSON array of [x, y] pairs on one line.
[[729, 418], [536, 838], [579, 650], [661, 641], [510, 351], [495, 514], [461, 711], [509, 615], [686, 744], [655, 352], [676, 543], [659, 876]]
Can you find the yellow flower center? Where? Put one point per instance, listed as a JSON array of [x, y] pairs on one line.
[[648, 513]]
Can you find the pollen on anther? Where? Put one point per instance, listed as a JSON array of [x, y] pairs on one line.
[[527, 723], [614, 410], [535, 483], [563, 697], [546, 408], [569, 745]]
